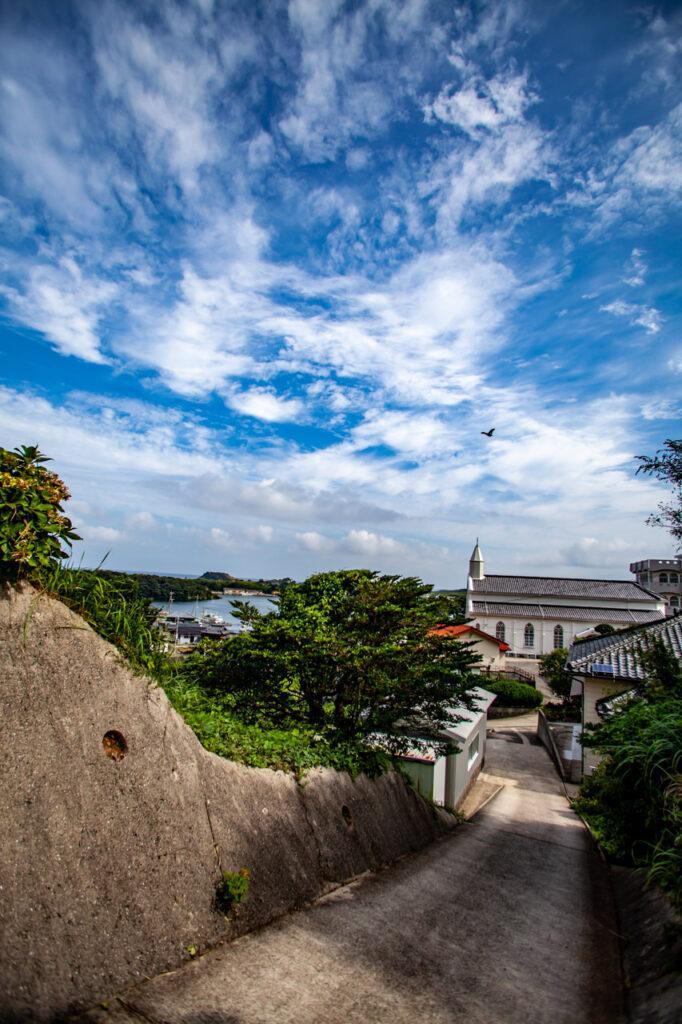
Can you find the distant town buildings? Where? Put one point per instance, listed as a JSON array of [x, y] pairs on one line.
[[537, 614], [664, 577]]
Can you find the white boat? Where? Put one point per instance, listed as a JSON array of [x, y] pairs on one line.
[[211, 619]]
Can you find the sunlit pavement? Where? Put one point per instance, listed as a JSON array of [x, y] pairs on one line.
[[508, 920]]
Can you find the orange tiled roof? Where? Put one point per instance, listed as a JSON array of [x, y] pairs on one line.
[[465, 628]]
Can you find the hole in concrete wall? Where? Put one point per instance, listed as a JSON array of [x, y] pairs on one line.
[[114, 744], [347, 816]]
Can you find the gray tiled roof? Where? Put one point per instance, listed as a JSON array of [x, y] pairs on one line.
[[551, 586], [620, 650], [575, 613]]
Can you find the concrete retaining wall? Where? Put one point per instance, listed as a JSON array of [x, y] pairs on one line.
[[109, 864], [561, 740]]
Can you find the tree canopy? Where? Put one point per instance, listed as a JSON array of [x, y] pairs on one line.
[[666, 465], [351, 653], [553, 671]]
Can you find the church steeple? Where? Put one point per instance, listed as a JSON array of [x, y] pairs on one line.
[[476, 564]]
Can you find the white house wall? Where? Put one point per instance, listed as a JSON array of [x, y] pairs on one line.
[[460, 773], [544, 631]]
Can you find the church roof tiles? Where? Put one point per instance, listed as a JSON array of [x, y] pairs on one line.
[[551, 586]]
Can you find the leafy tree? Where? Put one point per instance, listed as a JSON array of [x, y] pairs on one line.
[[666, 465], [33, 526], [554, 673], [349, 653], [450, 606]]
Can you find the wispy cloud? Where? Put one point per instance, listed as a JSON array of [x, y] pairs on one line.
[[299, 259], [644, 316]]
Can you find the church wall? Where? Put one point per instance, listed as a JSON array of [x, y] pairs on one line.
[[544, 631]]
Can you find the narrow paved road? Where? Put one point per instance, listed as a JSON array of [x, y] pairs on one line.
[[509, 920]]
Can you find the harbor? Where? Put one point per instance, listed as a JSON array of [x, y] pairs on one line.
[[188, 622]]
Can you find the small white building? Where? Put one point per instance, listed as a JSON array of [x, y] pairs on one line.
[[447, 780], [537, 614]]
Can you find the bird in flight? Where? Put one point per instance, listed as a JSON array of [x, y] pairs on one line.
[[488, 433]]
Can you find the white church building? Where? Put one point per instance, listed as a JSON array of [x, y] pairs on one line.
[[537, 614]]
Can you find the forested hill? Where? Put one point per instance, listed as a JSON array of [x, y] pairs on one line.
[[210, 584], [224, 579]]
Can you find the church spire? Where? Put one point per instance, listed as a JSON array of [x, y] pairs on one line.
[[476, 564]]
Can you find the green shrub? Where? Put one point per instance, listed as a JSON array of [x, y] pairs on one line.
[[33, 526], [512, 694], [633, 799], [219, 729], [568, 710]]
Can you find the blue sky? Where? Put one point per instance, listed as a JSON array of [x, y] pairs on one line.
[[269, 269]]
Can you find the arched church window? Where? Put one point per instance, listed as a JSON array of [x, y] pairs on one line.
[[528, 635], [663, 577], [674, 578], [674, 602], [558, 637], [499, 631]]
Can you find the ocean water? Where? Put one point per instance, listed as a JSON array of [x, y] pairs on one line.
[[219, 606]]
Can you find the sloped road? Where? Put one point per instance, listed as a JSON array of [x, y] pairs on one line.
[[508, 920]]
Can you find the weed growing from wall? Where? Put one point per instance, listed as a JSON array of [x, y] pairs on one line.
[[232, 888]]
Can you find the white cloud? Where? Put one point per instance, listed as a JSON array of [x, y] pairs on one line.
[[591, 551], [369, 545], [637, 269], [143, 522], [313, 541], [260, 534], [661, 409], [488, 104], [65, 305], [222, 538], [645, 316], [163, 86], [107, 534], [265, 405]]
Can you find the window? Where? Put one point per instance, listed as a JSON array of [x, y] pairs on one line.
[[558, 637], [663, 577], [674, 578], [674, 602], [528, 635], [473, 752], [499, 630]]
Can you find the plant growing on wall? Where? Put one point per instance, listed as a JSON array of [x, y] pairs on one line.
[[33, 526], [233, 887]]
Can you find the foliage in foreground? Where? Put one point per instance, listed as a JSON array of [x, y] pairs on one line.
[[346, 654], [33, 526], [512, 694], [633, 800]]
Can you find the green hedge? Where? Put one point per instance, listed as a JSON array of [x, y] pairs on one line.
[[512, 694]]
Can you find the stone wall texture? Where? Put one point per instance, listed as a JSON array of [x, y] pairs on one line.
[[109, 864]]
